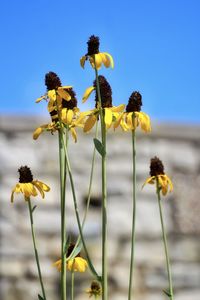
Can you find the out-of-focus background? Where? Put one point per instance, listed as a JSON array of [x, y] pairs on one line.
[[155, 45]]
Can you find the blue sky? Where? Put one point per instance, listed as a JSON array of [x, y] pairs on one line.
[[155, 45]]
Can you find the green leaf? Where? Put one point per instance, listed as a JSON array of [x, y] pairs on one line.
[[40, 297], [167, 293], [99, 147], [34, 207], [75, 251]]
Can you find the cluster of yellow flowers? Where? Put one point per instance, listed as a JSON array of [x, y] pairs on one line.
[[65, 114]]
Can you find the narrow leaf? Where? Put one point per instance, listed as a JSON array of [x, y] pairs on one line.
[[99, 147], [34, 207], [167, 293], [75, 251], [40, 297]]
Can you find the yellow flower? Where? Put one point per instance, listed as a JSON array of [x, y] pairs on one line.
[[56, 93], [94, 290], [158, 176], [110, 112], [77, 264], [134, 117], [52, 127], [27, 186], [96, 58], [164, 182], [131, 120]]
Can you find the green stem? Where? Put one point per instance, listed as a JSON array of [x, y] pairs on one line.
[[133, 217], [62, 161], [77, 215], [165, 243], [35, 248], [104, 196], [72, 285], [89, 193]]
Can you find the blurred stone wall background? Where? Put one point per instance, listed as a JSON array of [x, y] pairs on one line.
[[179, 148]]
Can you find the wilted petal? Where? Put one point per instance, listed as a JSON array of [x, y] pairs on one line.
[[87, 93], [89, 123]]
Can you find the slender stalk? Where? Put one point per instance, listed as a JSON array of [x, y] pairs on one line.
[[77, 215], [72, 285], [35, 248], [62, 161], [133, 218], [164, 237], [89, 193], [104, 197]]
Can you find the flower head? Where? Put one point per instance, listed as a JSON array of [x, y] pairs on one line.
[[56, 93], [95, 289], [76, 264], [158, 176], [62, 112], [95, 57], [133, 117], [27, 186], [110, 112]]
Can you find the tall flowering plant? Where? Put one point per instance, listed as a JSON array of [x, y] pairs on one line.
[[65, 119]]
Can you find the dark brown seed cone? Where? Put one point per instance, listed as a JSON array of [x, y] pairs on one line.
[[106, 92], [25, 175], [52, 81], [72, 103], [95, 286], [156, 167], [93, 45], [70, 249], [134, 103]]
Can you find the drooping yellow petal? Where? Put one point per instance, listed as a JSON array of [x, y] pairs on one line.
[[52, 95], [82, 61], [40, 99], [123, 125], [170, 184], [70, 115], [149, 180], [63, 94], [118, 108], [111, 61], [73, 133], [87, 93], [39, 189], [129, 120], [77, 264], [104, 59], [118, 121], [16, 189], [98, 61], [89, 123], [43, 185], [58, 264], [108, 117], [38, 131], [66, 87], [144, 121], [26, 189]]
